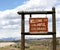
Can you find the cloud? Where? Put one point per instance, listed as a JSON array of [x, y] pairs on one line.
[[9, 33], [37, 5], [10, 20]]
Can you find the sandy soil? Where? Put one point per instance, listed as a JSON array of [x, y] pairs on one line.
[[3, 44]]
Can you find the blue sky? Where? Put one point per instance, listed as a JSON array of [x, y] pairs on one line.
[[10, 4], [10, 21]]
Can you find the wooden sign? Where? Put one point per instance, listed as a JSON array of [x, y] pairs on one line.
[[38, 25]]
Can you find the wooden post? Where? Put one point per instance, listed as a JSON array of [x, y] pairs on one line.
[[22, 32], [30, 15], [54, 28]]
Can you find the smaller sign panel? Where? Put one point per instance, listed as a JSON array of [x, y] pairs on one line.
[[38, 25]]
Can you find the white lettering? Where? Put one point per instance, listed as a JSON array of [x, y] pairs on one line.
[[39, 20], [41, 24]]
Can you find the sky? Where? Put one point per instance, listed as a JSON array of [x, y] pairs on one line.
[[10, 21], [10, 4]]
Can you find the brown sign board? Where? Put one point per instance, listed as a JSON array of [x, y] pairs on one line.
[[38, 25]]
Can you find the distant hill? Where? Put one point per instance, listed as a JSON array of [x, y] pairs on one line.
[[10, 39], [18, 39]]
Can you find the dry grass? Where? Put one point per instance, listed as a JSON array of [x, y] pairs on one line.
[[3, 44], [33, 45]]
